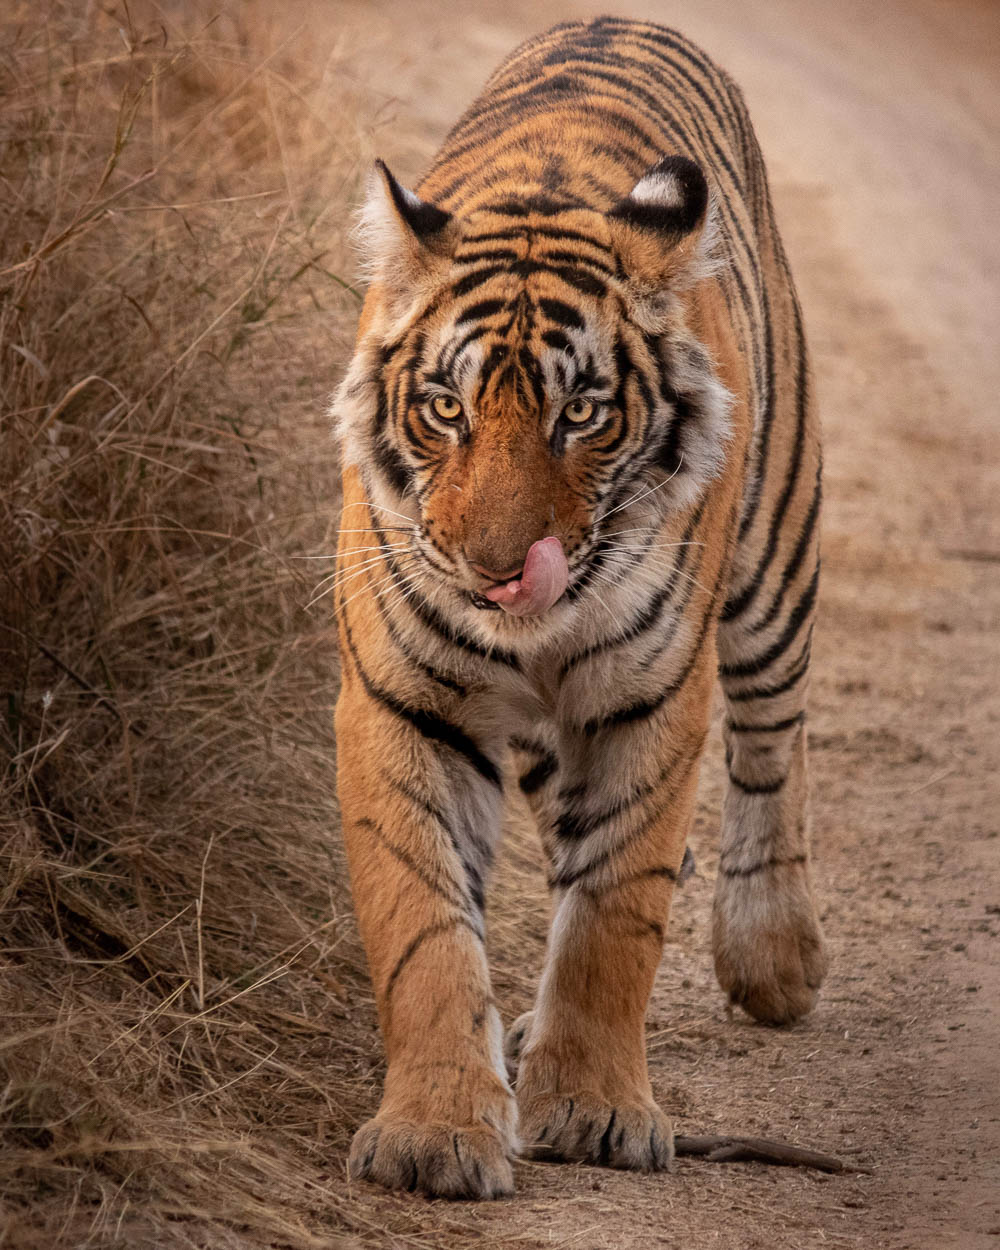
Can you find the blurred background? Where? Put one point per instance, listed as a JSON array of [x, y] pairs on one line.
[[187, 1038]]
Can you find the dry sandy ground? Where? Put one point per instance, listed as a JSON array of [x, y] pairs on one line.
[[879, 124]]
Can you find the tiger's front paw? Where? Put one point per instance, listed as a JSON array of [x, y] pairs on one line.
[[442, 1162], [585, 1128], [767, 943]]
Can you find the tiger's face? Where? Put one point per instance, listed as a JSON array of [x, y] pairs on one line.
[[523, 376]]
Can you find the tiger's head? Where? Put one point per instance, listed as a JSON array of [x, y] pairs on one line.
[[525, 370]]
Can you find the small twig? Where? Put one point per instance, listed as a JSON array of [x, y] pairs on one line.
[[75, 677], [199, 904], [974, 555], [742, 1149]]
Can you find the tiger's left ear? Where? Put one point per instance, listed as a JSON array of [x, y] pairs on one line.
[[663, 233], [405, 242]]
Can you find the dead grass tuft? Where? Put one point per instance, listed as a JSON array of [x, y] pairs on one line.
[[187, 1031]]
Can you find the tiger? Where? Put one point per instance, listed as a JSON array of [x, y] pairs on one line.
[[581, 479]]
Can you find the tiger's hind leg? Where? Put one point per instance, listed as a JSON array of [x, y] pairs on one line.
[[766, 937]]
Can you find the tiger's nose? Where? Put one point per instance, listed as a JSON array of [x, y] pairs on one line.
[[495, 576]]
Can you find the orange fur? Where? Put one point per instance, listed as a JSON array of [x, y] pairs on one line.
[[598, 225]]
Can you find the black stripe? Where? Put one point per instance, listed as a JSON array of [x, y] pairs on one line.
[[584, 281], [387, 458], [795, 563], [643, 709], [799, 613], [478, 276], [433, 930], [537, 776], [442, 375], [525, 206], [773, 728], [798, 671], [562, 314], [668, 454], [403, 855], [558, 340], [473, 875], [529, 745], [734, 607], [429, 616], [577, 258], [775, 862], [644, 874], [474, 257], [544, 232], [663, 36], [403, 646], [574, 826], [419, 800], [678, 768], [427, 724], [484, 308], [531, 377], [757, 787]]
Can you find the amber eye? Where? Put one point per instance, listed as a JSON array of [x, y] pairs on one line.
[[579, 410], [446, 407]]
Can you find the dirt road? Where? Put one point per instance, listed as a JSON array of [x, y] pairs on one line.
[[879, 127]]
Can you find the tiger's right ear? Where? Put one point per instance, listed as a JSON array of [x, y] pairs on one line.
[[664, 235], [406, 243]]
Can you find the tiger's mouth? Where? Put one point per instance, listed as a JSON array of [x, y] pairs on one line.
[[569, 581], [537, 586]]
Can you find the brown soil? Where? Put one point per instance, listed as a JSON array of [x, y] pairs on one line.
[[879, 127]]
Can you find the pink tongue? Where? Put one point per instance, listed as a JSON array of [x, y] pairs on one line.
[[542, 581]]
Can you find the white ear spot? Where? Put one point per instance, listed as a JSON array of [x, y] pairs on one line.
[[663, 190], [411, 198]]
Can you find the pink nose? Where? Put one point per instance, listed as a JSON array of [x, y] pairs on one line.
[[497, 577]]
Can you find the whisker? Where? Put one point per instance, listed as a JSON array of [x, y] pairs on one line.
[[342, 579], [333, 555], [642, 494], [603, 604], [370, 586], [603, 577], [343, 575], [365, 503], [411, 580], [608, 546], [388, 529]]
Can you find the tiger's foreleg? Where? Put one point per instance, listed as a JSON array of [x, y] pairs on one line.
[[419, 821], [583, 1088]]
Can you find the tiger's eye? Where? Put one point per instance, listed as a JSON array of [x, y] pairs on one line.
[[578, 410], [446, 407]]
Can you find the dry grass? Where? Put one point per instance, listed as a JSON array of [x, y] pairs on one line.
[[186, 1026]]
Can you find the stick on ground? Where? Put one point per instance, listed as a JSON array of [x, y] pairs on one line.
[[759, 1149]]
